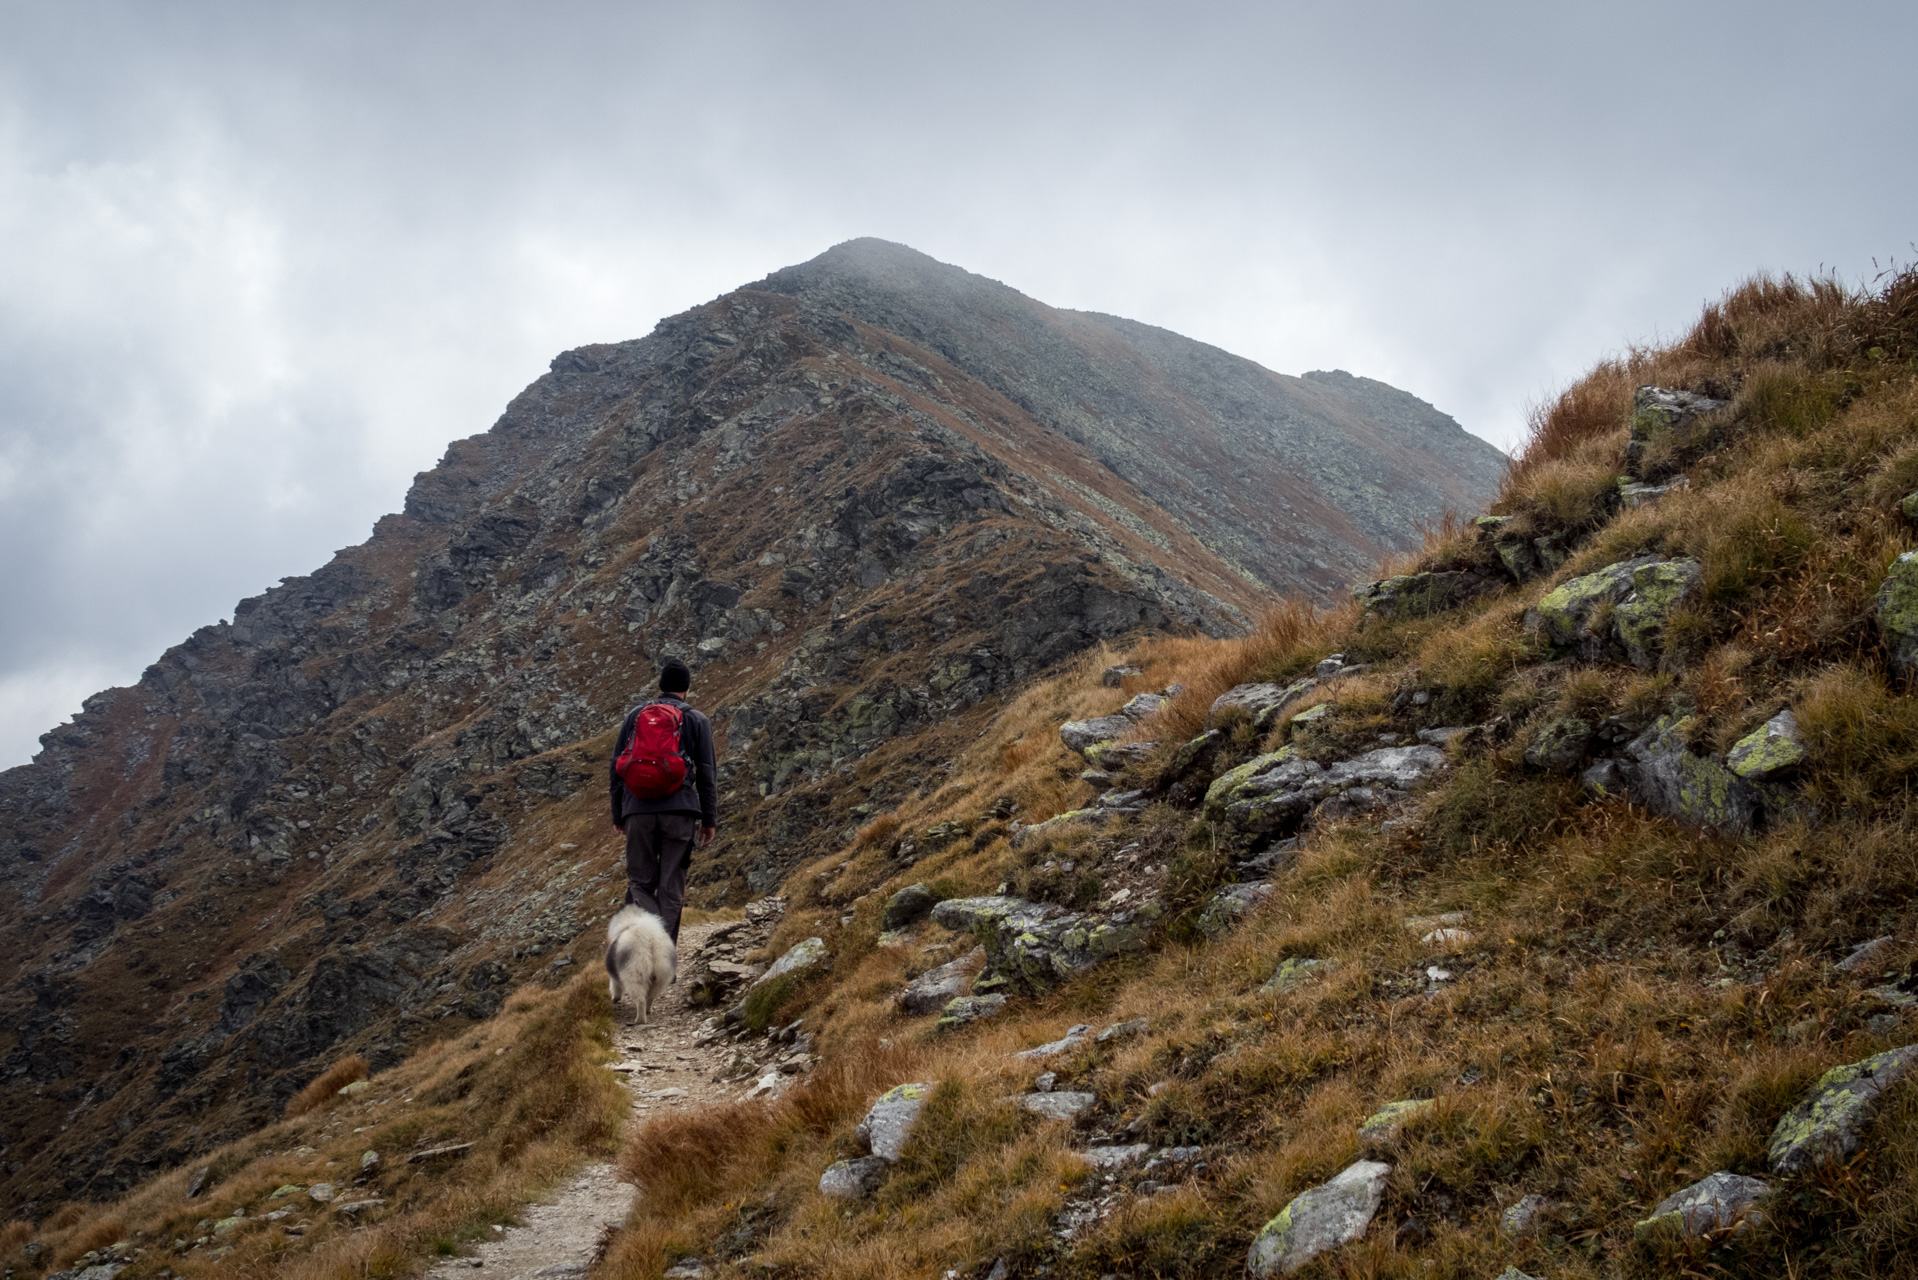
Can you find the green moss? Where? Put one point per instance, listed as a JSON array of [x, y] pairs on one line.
[[765, 999]]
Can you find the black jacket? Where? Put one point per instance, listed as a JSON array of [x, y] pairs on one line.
[[700, 795]]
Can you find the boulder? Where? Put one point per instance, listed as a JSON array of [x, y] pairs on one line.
[[1063, 1104], [763, 998], [1771, 750], [1560, 744], [1641, 594], [1113, 677], [854, 1179], [889, 1122], [1261, 703], [1721, 1203], [1665, 417], [1327, 1216], [1280, 790], [1053, 826], [1382, 1128], [908, 906], [1080, 734], [936, 988], [1669, 778], [1418, 595], [1031, 946], [1829, 1122], [1294, 973], [1119, 755], [1897, 611], [1143, 706], [1228, 906], [959, 1012]]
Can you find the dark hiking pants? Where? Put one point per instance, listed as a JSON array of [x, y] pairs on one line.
[[658, 847]]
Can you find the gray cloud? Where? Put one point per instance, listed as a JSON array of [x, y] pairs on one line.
[[259, 264]]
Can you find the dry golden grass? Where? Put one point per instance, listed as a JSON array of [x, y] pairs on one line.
[[327, 1085], [13, 1235]]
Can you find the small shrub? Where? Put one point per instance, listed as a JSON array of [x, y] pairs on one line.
[[327, 1085]]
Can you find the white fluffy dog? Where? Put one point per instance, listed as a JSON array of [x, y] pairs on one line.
[[640, 959]]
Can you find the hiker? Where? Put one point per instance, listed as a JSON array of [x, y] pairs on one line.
[[664, 792]]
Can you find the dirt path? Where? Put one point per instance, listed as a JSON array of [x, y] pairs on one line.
[[666, 1071]]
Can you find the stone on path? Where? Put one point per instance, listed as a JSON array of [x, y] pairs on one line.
[[1722, 1202], [1829, 1123], [854, 1179], [889, 1123], [1327, 1216]]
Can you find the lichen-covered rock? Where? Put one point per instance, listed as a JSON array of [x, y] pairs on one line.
[[1280, 790], [1031, 946], [1080, 734], [1658, 589], [1118, 755], [1059, 823], [1606, 779], [1669, 778], [1560, 744], [1723, 1202], [936, 988], [1628, 603], [1521, 1218], [854, 1179], [1294, 973], [1662, 417], [1228, 906], [1113, 677], [1260, 703], [1075, 1036], [964, 1009], [1773, 748], [1829, 1123], [1383, 1127], [908, 906], [1419, 595], [890, 1120], [1897, 611], [1143, 706], [1327, 1216]]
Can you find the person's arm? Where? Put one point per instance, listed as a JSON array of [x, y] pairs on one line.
[[612, 768], [708, 775]]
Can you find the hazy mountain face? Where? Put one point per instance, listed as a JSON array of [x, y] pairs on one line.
[[866, 497]]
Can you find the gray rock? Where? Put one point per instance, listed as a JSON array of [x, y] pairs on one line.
[[1772, 749], [1560, 744], [1061, 1104], [1031, 946], [1228, 906], [908, 906], [935, 988], [323, 1191], [854, 1179], [1606, 778], [1418, 595], [1294, 973], [1261, 703], [1060, 822], [1521, 1218], [1642, 595], [1829, 1123], [1130, 801], [1329, 1215], [1720, 1203], [197, 1183], [1513, 1273], [1272, 792], [889, 1123], [1143, 706], [1113, 677], [1080, 734], [1074, 1036], [1633, 494], [959, 1012], [1122, 1031], [1441, 736], [352, 1208], [1113, 756], [1115, 1157], [798, 957], [1664, 416], [1670, 779], [1865, 954]]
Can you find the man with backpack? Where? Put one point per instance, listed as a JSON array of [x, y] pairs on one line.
[[664, 794]]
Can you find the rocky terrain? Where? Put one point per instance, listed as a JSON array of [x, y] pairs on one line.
[[868, 497]]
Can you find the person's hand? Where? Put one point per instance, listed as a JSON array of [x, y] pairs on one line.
[[706, 835]]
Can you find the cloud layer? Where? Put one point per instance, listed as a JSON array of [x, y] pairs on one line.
[[258, 265]]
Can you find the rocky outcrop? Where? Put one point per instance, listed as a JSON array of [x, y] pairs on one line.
[[1665, 423], [1279, 791], [1419, 595], [1030, 946], [1316, 1221], [1667, 777], [1828, 1124], [1621, 610], [936, 988]]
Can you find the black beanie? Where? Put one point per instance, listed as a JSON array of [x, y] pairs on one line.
[[675, 676]]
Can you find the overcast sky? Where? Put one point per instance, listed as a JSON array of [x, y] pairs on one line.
[[260, 263]]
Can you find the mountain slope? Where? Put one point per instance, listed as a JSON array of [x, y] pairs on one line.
[[358, 814]]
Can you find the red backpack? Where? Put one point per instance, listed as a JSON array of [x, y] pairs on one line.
[[652, 765]]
